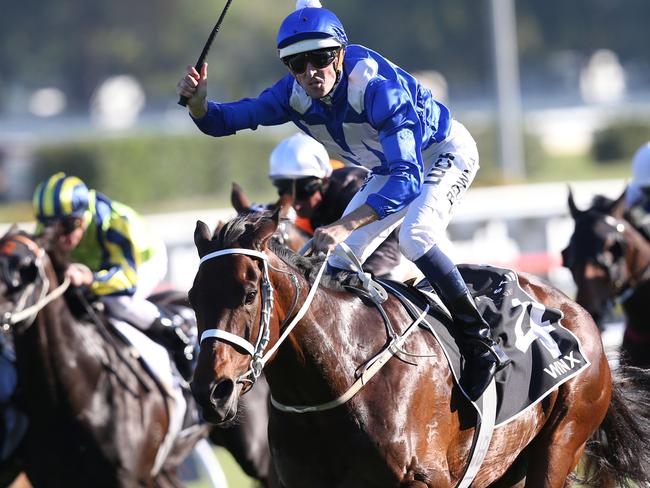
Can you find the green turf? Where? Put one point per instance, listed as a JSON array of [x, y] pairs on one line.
[[234, 475]]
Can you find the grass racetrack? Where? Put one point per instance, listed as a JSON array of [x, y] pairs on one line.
[[234, 475]]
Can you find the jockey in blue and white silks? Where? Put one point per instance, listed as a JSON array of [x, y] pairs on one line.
[[368, 111]]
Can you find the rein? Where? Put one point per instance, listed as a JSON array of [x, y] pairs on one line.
[[377, 363], [258, 352], [45, 299]]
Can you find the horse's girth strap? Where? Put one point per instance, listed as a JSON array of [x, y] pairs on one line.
[[374, 365]]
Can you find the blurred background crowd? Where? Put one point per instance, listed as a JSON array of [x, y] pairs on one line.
[[88, 88]]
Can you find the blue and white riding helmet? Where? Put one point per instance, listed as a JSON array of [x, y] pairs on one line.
[[309, 28]]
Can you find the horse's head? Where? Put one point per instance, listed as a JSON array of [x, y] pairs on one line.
[[598, 253], [288, 233], [20, 261], [233, 300]]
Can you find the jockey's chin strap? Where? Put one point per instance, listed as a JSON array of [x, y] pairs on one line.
[[258, 351], [28, 313]]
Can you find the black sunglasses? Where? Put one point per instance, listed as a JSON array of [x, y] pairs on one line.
[[301, 189], [319, 59], [65, 225]]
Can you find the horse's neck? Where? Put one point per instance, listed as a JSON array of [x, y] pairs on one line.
[[320, 356], [48, 352]]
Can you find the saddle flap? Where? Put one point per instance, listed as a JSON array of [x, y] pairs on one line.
[[544, 354]]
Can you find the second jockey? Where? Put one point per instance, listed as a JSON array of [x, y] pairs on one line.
[[301, 167], [113, 253]]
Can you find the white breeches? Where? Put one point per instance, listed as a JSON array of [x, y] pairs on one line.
[[136, 309], [450, 168]]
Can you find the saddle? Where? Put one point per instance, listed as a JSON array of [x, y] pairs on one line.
[[544, 354]]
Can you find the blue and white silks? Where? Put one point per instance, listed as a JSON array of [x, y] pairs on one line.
[[378, 117]]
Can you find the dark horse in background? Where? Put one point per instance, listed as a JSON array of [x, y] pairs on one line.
[[410, 426], [610, 261], [97, 418]]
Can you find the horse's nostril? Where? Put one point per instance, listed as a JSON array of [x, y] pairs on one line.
[[221, 390]]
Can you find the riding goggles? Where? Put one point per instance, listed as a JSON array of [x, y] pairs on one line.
[[320, 58], [65, 225], [301, 189]]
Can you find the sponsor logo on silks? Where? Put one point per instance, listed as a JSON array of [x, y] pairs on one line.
[[562, 366], [461, 185], [439, 168]]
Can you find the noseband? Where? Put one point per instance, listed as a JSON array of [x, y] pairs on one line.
[[257, 351]]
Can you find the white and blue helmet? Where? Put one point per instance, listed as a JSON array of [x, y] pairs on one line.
[[310, 27]]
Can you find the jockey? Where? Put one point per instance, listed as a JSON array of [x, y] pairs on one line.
[[113, 253], [369, 112], [300, 166], [637, 195]]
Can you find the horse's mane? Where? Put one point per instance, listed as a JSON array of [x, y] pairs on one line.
[[239, 231]]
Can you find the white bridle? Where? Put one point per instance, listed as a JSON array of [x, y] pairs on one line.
[[258, 350]]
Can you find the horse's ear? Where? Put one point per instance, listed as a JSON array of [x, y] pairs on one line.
[[201, 238], [266, 228], [238, 198], [575, 212], [618, 207]]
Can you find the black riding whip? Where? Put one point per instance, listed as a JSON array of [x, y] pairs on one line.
[[199, 63]]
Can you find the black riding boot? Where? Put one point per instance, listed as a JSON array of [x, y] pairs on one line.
[[172, 337], [483, 356]]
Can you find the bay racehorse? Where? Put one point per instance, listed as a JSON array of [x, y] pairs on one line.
[[96, 417], [610, 261], [409, 426]]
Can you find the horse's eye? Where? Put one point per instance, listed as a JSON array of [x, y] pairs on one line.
[[28, 274], [250, 297]]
